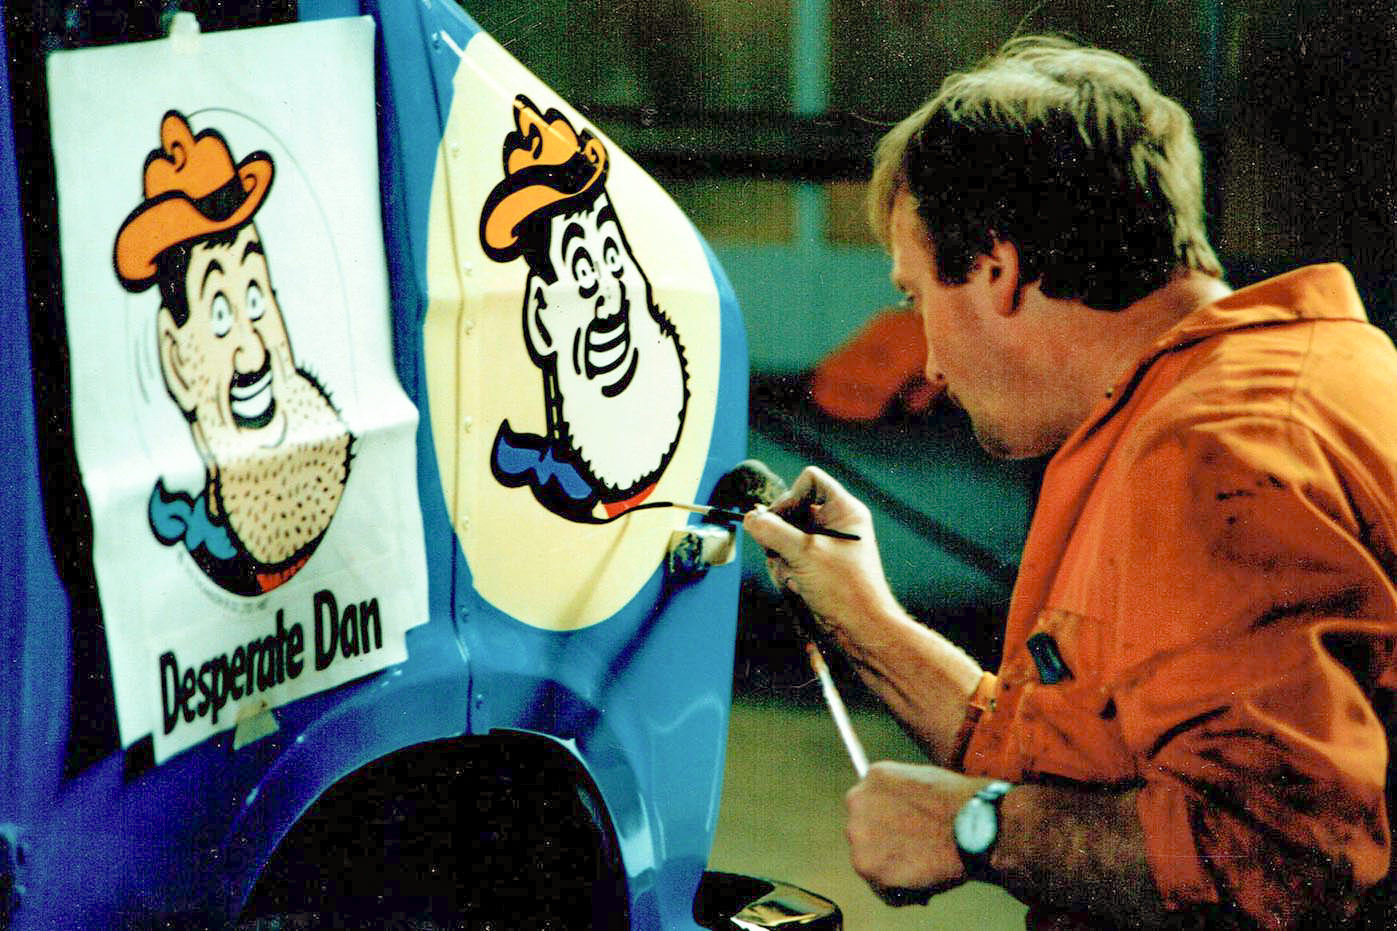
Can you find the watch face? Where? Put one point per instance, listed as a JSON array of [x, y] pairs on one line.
[[976, 826]]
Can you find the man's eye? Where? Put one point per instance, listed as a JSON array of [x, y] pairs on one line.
[[612, 256], [256, 303], [908, 303], [220, 315], [585, 273]]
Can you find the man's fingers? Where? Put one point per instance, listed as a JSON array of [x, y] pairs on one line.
[[772, 533], [817, 500], [806, 487], [811, 487]]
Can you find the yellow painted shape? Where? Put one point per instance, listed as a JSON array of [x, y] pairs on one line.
[[542, 569]]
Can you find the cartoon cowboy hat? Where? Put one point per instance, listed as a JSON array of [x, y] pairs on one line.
[[547, 164], [192, 189]]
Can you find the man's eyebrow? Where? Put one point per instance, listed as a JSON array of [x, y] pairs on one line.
[[213, 266], [570, 232], [607, 213], [254, 246]]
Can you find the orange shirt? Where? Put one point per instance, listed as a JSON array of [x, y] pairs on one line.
[[1212, 560]]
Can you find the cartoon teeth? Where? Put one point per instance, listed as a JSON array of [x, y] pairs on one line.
[[608, 346], [607, 342], [253, 404]]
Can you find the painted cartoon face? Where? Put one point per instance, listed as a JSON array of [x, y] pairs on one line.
[[619, 369], [232, 353], [588, 309], [275, 447]]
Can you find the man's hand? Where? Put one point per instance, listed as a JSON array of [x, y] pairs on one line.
[[923, 678], [839, 580], [899, 829]]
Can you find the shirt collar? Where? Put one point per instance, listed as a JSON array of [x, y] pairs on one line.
[[1317, 292]]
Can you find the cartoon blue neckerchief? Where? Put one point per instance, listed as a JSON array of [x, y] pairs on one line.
[[276, 451], [615, 388]]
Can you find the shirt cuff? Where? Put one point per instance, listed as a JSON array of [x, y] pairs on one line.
[[981, 700]]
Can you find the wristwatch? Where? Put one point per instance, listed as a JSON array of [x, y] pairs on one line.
[[976, 828]]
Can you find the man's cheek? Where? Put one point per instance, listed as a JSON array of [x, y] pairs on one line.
[[552, 313], [283, 364], [193, 368]]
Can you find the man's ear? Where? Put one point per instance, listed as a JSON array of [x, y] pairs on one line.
[[172, 365], [535, 332], [1001, 270]]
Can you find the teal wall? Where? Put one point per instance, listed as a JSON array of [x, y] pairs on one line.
[[801, 301]]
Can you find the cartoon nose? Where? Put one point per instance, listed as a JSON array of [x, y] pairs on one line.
[[250, 352], [609, 298]]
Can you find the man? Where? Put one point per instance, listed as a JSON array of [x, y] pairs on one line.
[[276, 452], [615, 387], [1184, 727]]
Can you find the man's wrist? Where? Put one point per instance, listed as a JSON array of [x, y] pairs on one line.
[[976, 828]]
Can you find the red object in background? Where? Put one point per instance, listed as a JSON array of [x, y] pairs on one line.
[[885, 361]]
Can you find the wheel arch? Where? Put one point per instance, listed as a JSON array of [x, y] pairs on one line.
[[452, 828]]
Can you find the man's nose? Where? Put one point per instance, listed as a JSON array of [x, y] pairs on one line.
[[250, 351], [609, 296]]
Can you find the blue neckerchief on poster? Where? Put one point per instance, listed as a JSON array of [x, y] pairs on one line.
[[177, 517]]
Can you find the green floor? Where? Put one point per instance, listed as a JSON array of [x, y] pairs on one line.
[[783, 817]]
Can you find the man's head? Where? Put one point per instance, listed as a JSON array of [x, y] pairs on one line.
[[275, 449], [615, 387], [611, 357], [1067, 152]]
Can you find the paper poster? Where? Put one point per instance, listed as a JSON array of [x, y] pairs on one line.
[[572, 350], [246, 448]]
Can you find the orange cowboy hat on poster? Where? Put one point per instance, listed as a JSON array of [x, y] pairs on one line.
[[192, 190]]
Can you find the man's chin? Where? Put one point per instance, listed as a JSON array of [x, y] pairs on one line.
[[613, 487], [995, 449], [1005, 448], [648, 443]]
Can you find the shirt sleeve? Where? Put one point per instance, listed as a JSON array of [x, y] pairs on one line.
[[1252, 627]]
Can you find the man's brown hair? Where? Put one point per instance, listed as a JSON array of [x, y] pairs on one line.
[[1070, 153]]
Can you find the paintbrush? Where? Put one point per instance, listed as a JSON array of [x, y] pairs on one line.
[[724, 515], [838, 711]]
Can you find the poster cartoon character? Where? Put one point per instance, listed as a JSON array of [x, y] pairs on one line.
[[275, 449], [615, 387]]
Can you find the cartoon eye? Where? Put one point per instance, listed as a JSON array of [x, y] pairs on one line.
[[584, 273], [255, 303], [220, 315], [611, 254], [908, 304]]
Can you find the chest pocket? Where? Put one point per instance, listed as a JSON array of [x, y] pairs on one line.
[[1066, 716]]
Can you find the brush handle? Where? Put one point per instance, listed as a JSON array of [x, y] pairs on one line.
[[838, 711], [723, 514]]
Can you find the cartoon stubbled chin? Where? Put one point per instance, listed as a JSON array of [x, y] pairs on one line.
[[615, 386]]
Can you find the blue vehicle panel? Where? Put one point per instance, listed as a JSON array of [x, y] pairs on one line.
[[638, 699]]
